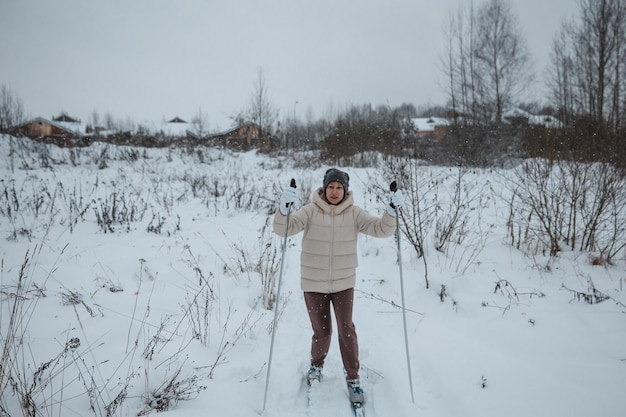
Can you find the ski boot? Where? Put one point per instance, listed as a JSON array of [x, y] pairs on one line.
[[357, 396], [314, 374]]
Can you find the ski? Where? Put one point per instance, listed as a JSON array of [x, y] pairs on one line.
[[319, 396], [310, 394], [357, 406], [357, 409]]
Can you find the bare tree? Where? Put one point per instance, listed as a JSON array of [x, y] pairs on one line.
[[109, 121], [94, 119], [262, 111], [458, 63], [200, 123], [600, 44], [361, 129], [560, 75], [587, 63], [11, 109], [486, 62], [502, 58]]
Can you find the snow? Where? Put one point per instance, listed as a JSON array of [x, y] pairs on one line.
[[187, 297]]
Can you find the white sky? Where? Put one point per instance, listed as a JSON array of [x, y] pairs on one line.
[[155, 59]]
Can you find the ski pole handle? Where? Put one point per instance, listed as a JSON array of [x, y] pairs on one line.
[[292, 184], [393, 187]]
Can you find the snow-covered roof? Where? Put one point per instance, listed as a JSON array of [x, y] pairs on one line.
[[176, 127], [75, 128], [544, 120], [533, 119], [78, 127], [515, 113], [427, 124]]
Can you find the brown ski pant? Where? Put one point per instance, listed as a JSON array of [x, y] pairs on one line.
[[318, 306]]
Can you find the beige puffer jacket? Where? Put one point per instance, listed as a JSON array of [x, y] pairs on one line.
[[329, 256]]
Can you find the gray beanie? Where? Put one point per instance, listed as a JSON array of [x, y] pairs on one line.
[[334, 174]]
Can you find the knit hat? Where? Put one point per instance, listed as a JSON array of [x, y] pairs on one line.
[[334, 174]]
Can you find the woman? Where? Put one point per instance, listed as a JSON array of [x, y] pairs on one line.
[[331, 224]]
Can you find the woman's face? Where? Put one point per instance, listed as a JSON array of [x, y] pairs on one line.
[[334, 192]]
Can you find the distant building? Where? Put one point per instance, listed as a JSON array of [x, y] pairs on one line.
[[65, 118], [178, 128], [243, 137], [435, 127], [62, 130], [520, 117]]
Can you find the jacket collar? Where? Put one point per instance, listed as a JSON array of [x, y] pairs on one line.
[[320, 201]]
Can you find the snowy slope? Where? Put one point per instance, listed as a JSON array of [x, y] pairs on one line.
[[185, 297]]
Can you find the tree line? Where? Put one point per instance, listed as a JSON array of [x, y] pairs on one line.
[[488, 70], [487, 66]]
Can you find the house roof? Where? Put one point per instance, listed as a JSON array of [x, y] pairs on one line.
[[427, 124], [545, 120], [75, 128], [176, 127], [63, 117], [234, 128], [533, 119]]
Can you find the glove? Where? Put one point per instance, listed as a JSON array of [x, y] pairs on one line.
[[396, 201], [290, 196]]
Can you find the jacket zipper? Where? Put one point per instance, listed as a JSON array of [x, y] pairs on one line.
[[330, 248]]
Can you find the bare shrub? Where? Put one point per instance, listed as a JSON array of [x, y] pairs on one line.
[[553, 204], [198, 313], [262, 260], [52, 386], [75, 204], [101, 160], [10, 204], [226, 343], [417, 184], [31, 390], [268, 264], [511, 294], [171, 392], [73, 298], [591, 296], [118, 208], [418, 214], [440, 207]]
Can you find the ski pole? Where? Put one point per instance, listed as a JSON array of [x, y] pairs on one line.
[[280, 278], [393, 187]]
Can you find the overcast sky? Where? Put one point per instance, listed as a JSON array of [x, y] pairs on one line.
[[156, 59]]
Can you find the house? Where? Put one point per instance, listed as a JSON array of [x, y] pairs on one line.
[[65, 118], [177, 128], [434, 127], [519, 117], [243, 137], [62, 130], [545, 121]]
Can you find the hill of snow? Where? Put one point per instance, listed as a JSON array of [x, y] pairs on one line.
[[132, 281]]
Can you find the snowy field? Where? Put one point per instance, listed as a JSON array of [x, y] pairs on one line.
[[132, 280]]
